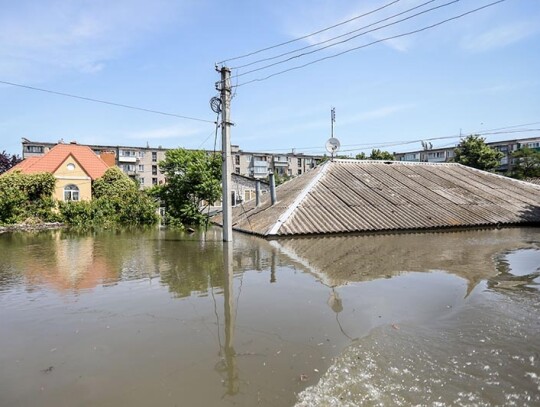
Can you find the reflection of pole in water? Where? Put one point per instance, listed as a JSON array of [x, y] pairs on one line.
[[336, 304], [273, 267], [232, 381]]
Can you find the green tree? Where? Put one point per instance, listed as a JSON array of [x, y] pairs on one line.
[[24, 196], [473, 151], [116, 201], [193, 181], [280, 179], [8, 161], [377, 154], [526, 163], [361, 156], [113, 184]]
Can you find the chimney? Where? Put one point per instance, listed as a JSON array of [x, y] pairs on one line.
[[273, 197], [109, 158]]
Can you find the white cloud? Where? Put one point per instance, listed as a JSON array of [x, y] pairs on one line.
[[499, 37], [303, 20], [46, 37]]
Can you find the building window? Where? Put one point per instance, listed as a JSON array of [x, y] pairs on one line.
[[141, 154], [299, 162], [71, 193], [299, 171], [141, 168], [438, 154], [154, 181], [237, 170], [237, 159], [141, 180], [34, 149], [154, 156], [127, 153], [70, 166], [154, 169]]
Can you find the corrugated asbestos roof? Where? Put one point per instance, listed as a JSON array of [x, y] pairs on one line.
[[351, 196]]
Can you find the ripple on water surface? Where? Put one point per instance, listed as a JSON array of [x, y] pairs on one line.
[[484, 355]]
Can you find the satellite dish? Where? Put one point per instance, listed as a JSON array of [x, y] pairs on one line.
[[332, 145], [215, 104]]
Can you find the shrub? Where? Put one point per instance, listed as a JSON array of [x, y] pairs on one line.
[[25, 196], [117, 202]]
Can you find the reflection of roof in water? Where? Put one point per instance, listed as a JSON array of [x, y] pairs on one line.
[[347, 196], [338, 260]]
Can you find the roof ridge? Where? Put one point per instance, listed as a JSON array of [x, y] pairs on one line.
[[393, 162], [284, 216]]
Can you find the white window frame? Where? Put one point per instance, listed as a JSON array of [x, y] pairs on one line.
[[72, 193]]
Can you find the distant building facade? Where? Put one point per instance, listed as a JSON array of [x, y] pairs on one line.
[[441, 155], [142, 163]]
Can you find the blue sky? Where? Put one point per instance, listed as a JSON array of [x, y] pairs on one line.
[[473, 74]]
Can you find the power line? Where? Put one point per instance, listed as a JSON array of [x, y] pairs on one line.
[[346, 34], [106, 102], [308, 35], [437, 138], [366, 146], [372, 43]]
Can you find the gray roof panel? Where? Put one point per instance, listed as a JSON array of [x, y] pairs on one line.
[[351, 196]]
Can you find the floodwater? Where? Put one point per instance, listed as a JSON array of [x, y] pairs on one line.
[[165, 318]]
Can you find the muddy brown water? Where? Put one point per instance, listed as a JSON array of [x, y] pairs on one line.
[[164, 318]]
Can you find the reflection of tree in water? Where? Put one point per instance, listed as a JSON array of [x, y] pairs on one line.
[[188, 267]]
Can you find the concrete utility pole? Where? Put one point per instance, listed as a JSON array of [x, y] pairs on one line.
[[226, 153]]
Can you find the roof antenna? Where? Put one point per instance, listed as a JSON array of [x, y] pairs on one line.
[[332, 145]]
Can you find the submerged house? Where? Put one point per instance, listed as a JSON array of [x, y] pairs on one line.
[[359, 196], [74, 167]]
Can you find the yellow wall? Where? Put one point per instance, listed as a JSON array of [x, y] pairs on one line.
[[77, 177]]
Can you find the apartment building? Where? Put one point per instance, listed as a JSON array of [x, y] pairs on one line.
[[260, 164], [142, 163], [447, 154], [137, 162]]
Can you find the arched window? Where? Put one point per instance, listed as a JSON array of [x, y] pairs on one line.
[[71, 193]]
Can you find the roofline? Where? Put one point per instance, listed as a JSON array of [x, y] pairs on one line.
[[70, 154], [399, 231], [517, 140], [249, 178], [392, 162], [284, 216], [270, 153], [49, 143]]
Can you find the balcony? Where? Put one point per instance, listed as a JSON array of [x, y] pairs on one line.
[[127, 159], [259, 169], [283, 162]]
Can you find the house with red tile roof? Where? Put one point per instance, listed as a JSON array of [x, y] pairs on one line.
[[74, 166]]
